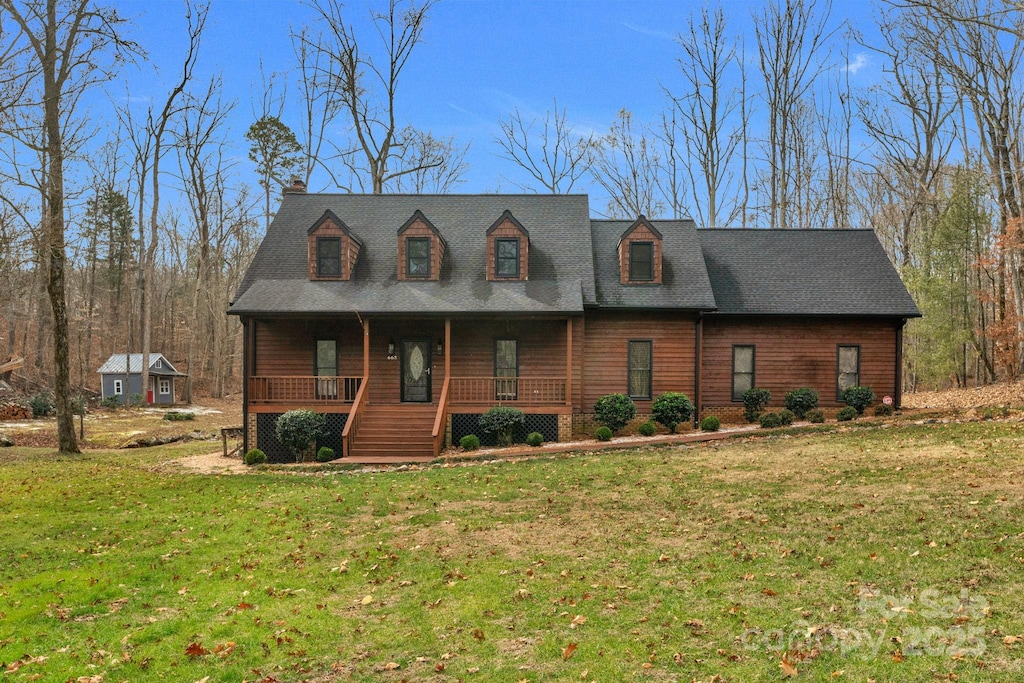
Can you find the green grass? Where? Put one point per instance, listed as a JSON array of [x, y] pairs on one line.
[[847, 552]]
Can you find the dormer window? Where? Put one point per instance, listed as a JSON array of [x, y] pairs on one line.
[[640, 254], [506, 257], [328, 257], [641, 261], [417, 257]]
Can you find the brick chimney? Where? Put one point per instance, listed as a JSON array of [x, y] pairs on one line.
[[297, 187]]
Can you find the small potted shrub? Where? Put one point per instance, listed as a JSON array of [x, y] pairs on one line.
[[859, 398], [816, 416], [614, 411], [325, 454], [754, 402], [710, 424], [672, 408], [255, 457], [534, 439], [603, 434], [502, 422], [647, 429], [846, 414], [770, 420], [470, 442], [801, 400]]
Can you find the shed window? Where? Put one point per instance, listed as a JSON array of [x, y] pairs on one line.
[[641, 261], [164, 386], [640, 353], [847, 369], [118, 387], [506, 257], [742, 371], [506, 369], [417, 257], [328, 257]]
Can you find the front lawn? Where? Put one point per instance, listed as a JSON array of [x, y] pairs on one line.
[[885, 553]]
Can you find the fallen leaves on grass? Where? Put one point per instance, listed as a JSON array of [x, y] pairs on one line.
[[196, 650], [569, 651]]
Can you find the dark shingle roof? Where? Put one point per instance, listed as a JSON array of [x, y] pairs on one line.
[[685, 282], [803, 272], [561, 277]]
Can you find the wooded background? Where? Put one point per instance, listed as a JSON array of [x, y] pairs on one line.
[[143, 228]]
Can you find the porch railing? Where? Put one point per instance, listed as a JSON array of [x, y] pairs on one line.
[[311, 390], [508, 390], [348, 434], [441, 417]]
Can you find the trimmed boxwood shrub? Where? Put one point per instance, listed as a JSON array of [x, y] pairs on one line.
[[816, 416], [502, 422], [299, 429], [603, 434], [846, 414], [710, 424], [786, 416], [534, 439], [470, 442], [754, 402], [859, 398], [647, 429], [883, 410], [325, 454], [671, 409], [614, 411], [770, 421], [801, 400], [255, 457]]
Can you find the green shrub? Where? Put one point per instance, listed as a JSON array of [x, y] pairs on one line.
[[883, 410], [710, 424], [470, 442], [988, 413], [770, 420], [786, 416], [176, 416], [535, 439], [671, 409], [615, 411], [846, 414], [299, 429], [110, 402], [816, 416], [135, 399], [647, 429], [325, 454], [754, 402], [859, 398], [502, 422], [603, 434], [801, 400], [255, 457], [41, 405]]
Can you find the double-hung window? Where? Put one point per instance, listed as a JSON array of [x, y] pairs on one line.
[[742, 370], [417, 257], [641, 261], [164, 386], [506, 257], [847, 369], [328, 257], [640, 356], [326, 369], [506, 369], [118, 387]]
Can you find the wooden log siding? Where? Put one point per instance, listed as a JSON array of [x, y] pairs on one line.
[[605, 348], [508, 229], [286, 347], [796, 353]]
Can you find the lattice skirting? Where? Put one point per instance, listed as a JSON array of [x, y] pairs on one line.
[[464, 424], [265, 437]]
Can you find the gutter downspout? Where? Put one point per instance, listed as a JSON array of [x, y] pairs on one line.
[[246, 345], [899, 365], [698, 333]]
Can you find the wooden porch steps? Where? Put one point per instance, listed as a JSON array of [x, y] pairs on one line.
[[395, 433]]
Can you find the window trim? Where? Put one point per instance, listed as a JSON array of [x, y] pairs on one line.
[[752, 373], [506, 395], [650, 262], [650, 369], [839, 348], [320, 256], [409, 257], [163, 383], [498, 259], [118, 387]]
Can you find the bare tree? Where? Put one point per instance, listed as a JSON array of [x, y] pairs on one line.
[[550, 151], [438, 164], [791, 37], [321, 99], [62, 49], [625, 163], [367, 88]]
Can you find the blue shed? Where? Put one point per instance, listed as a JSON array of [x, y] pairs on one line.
[[127, 367]]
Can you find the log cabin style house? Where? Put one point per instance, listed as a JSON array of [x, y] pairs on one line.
[[403, 318]]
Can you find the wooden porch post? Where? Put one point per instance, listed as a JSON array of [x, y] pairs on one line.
[[568, 361], [366, 350], [447, 348]]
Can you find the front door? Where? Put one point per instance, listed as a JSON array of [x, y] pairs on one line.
[[416, 370]]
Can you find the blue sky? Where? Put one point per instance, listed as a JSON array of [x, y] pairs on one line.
[[481, 59]]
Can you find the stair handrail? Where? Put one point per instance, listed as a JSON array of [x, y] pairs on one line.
[[440, 421], [352, 424]]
